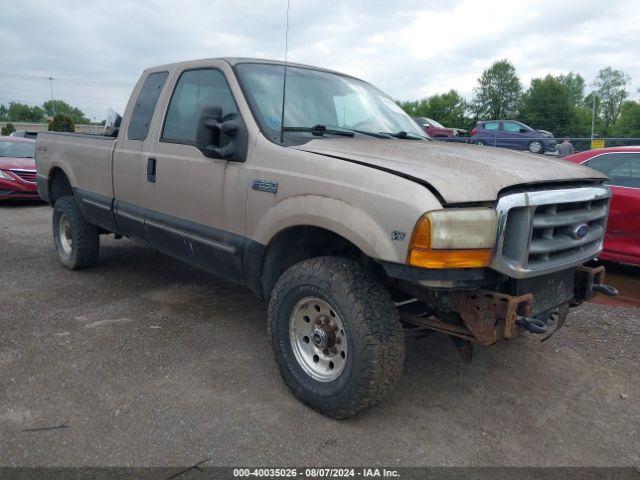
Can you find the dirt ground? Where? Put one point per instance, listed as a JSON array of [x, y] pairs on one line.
[[145, 361]]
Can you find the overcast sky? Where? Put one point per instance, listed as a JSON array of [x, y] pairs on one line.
[[408, 48]]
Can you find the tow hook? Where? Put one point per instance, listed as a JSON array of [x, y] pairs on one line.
[[607, 290], [534, 325]]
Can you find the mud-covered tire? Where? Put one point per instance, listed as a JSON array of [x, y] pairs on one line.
[[373, 334], [76, 240]]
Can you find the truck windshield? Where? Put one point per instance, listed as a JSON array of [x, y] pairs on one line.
[[18, 149], [319, 98]]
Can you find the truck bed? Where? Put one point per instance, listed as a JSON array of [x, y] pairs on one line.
[[86, 159]]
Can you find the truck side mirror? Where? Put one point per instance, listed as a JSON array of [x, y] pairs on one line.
[[218, 139]]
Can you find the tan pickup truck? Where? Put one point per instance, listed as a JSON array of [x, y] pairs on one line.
[[354, 226]]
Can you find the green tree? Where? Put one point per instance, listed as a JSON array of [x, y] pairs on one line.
[[498, 93], [415, 108], [574, 84], [8, 129], [58, 107], [62, 123], [546, 105], [447, 108], [20, 112], [556, 104], [611, 90], [4, 113], [628, 123]]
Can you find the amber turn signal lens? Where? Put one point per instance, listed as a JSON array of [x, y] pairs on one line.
[[422, 234], [449, 258]]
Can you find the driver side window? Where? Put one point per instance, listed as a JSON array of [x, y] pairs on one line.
[[195, 90]]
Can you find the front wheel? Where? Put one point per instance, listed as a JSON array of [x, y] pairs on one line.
[[336, 335], [536, 147], [77, 241]]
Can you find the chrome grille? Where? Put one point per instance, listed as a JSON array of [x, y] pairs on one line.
[[546, 231], [26, 175]]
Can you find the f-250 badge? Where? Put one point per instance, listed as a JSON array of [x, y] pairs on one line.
[[264, 185]]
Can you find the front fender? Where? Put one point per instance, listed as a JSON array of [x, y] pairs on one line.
[[346, 220]]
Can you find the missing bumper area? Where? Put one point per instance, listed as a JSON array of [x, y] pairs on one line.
[[484, 317]]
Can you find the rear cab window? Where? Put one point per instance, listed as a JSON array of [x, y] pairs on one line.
[[142, 114]]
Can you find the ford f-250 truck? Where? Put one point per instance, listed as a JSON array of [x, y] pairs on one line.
[[339, 212]]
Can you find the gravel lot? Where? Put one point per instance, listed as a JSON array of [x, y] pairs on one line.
[[147, 361]]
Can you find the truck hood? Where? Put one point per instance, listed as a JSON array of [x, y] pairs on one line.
[[460, 173]]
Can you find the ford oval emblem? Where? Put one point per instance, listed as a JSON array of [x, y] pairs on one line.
[[581, 231]]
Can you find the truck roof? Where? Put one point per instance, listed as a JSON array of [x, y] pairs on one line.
[[238, 60]]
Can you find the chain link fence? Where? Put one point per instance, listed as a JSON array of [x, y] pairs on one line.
[[547, 145]]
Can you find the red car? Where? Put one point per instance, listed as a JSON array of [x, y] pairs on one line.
[[18, 168], [622, 165], [437, 130]]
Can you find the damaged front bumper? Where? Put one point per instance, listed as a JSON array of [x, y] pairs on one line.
[[484, 317]]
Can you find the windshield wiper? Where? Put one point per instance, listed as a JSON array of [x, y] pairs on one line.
[[406, 135], [319, 131]]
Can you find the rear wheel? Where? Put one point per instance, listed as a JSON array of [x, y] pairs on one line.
[[536, 147], [77, 241], [336, 335]]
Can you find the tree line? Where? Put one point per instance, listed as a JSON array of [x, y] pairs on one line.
[[554, 103], [21, 112]]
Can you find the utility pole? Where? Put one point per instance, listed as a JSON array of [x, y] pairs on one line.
[[593, 114], [53, 103]]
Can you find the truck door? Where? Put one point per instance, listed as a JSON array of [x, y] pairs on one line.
[[132, 168], [198, 212]]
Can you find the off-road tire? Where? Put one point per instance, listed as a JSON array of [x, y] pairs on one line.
[[85, 238], [374, 335]]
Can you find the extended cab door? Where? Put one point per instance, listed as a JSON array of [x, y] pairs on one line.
[[132, 166], [198, 211]]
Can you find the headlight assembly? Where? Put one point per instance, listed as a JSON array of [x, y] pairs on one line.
[[454, 238]]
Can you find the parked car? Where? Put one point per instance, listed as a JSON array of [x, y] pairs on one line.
[[18, 168], [513, 134], [347, 219], [24, 134], [437, 130], [622, 166]]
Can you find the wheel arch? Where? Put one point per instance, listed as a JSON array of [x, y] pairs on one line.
[[296, 243], [59, 184]]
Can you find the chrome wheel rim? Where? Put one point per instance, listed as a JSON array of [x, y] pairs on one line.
[[64, 234], [318, 339]]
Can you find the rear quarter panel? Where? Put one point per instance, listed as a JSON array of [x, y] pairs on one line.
[[85, 159]]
